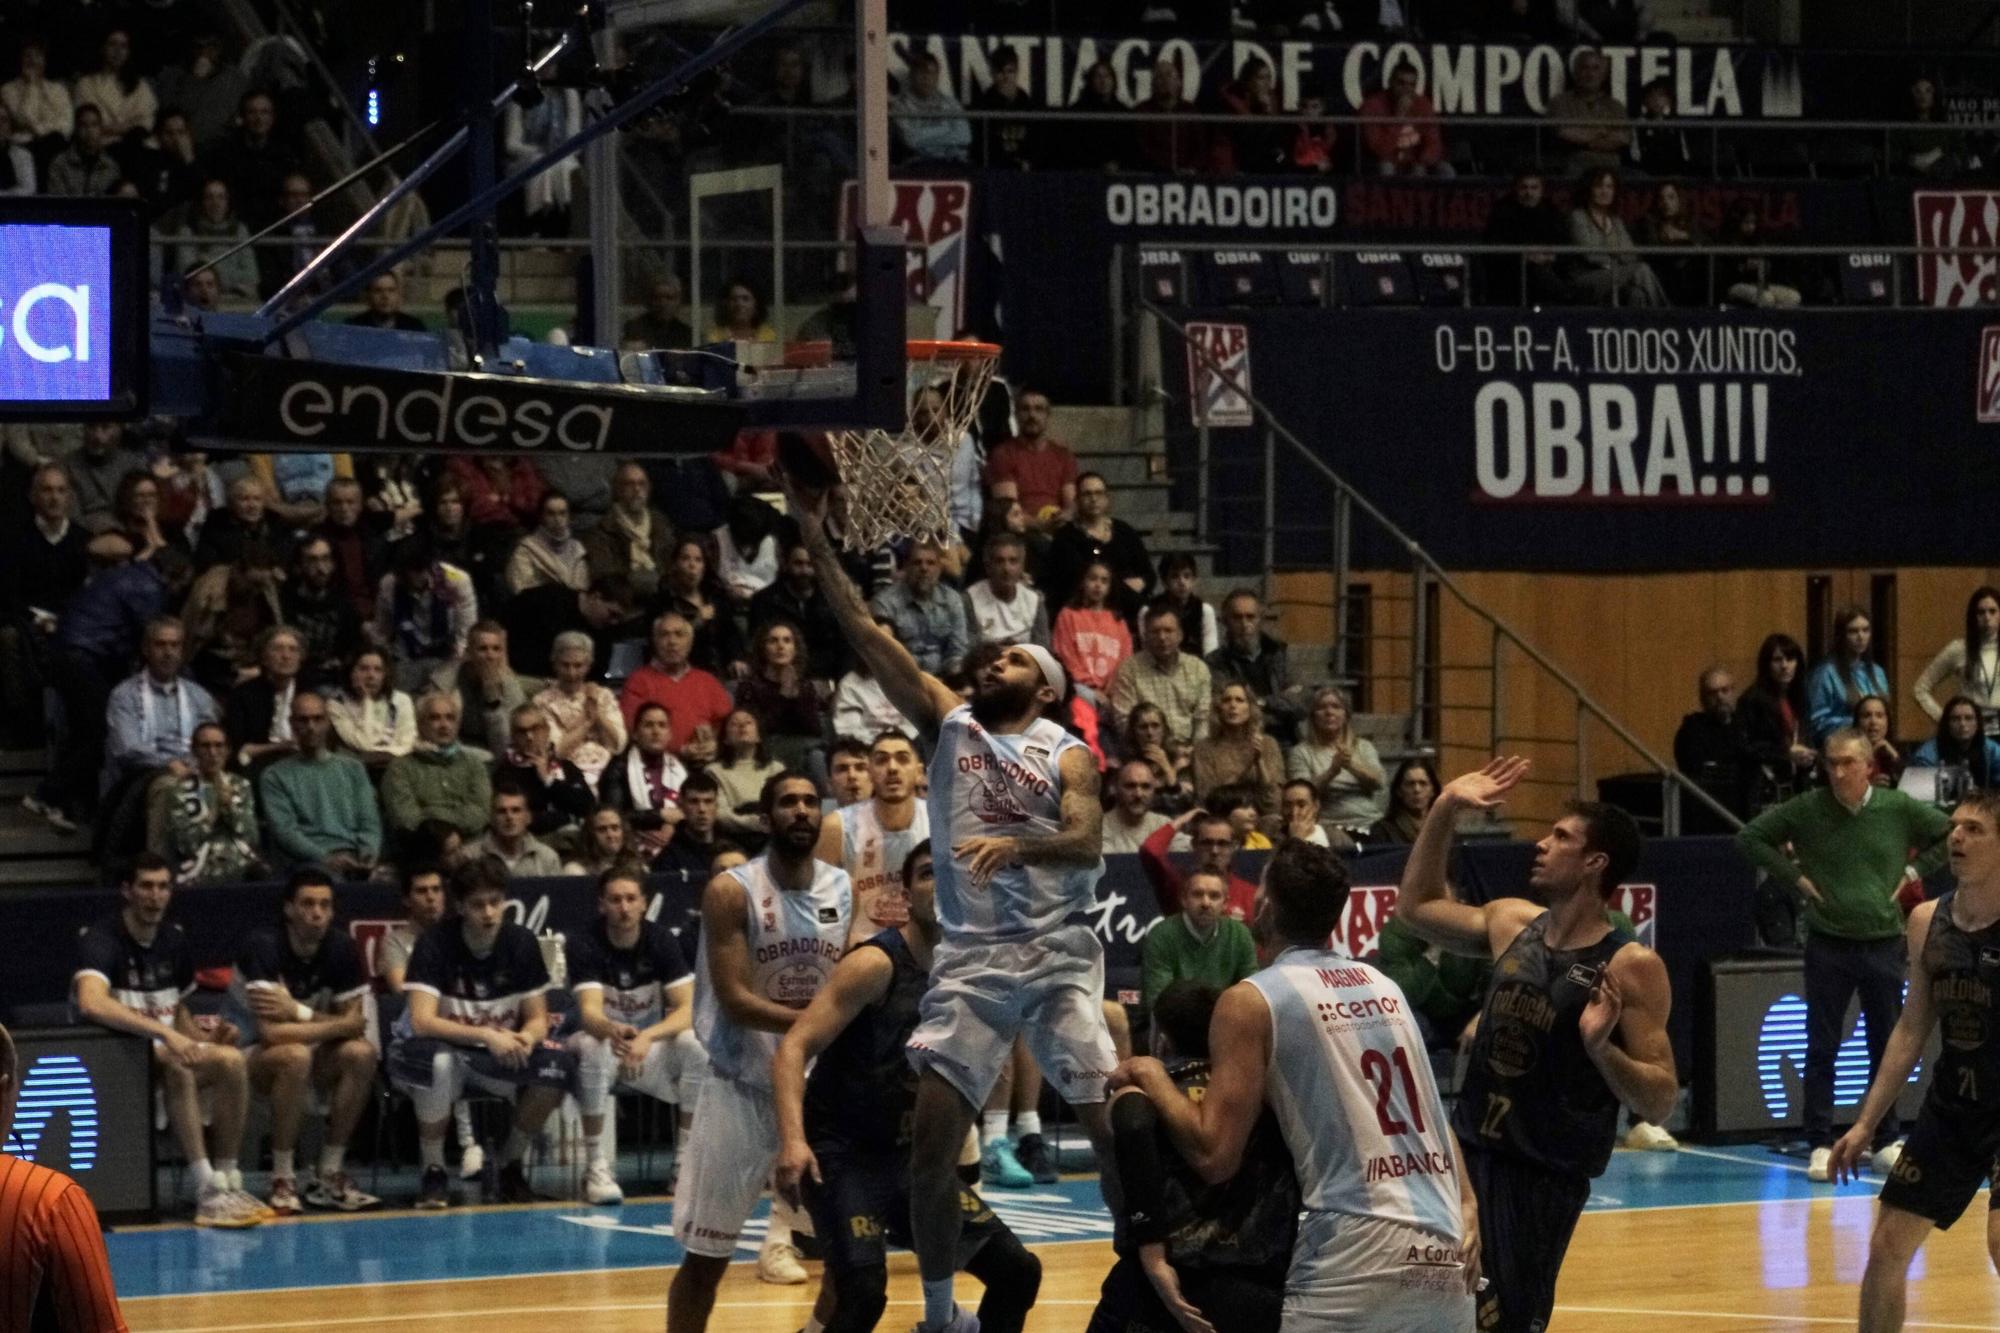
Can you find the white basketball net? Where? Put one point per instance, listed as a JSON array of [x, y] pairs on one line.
[[898, 483]]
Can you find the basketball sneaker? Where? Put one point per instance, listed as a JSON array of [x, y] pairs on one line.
[[1033, 1155], [228, 1210], [600, 1186], [962, 1321], [284, 1198], [1819, 1167], [337, 1192], [778, 1263], [471, 1162], [999, 1167], [435, 1192], [514, 1187], [1646, 1136]]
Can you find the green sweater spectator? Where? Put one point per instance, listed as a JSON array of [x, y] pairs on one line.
[[1854, 858], [1173, 952], [1446, 989], [428, 783], [318, 805]]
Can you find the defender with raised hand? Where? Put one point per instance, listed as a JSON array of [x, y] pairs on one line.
[[1014, 811], [1575, 1022]]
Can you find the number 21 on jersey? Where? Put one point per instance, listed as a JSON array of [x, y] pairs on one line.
[[1382, 1072]]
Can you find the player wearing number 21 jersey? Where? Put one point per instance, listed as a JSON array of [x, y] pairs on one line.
[[1386, 1243]]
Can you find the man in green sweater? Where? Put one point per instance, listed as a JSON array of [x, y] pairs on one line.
[[1197, 943], [319, 805], [1848, 848], [440, 778]]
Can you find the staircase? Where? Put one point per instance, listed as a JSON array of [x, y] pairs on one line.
[[31, 853], [1106, 441]]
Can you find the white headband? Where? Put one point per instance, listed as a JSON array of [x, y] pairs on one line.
[[1052, 671]]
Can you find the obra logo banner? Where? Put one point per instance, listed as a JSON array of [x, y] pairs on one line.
[[318, 405]]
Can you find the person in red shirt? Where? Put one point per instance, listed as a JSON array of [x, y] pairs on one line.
[[694, 698], [1042, 469], [1398, 138], [54, 1273], [1215, 844]]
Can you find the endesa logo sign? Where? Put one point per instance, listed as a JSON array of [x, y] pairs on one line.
[[55, 313]]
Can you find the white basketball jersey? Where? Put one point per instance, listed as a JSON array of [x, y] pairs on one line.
[[1352, 1089], [988, 785], [873, 858], [794, 936]]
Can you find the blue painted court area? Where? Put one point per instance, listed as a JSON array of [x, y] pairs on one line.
[[491, 1242]]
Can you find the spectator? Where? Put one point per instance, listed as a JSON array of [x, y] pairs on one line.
[[41, 107], [96, 638], [17, 164], [549, 554], [930, 123], [1041, 466], [1849, 847], [928, 617], [423, 907], [135, 513], [1525, 218], [1658, 149], [1961, 744], [1612, 272], [1777, 722], [795, 596], [359, 552], [253, 159], [169, 174], [606, 843], [84, 167], [1090, 639], [213, 231], [530, 128], [537, 618], [499, 492], [1258, 661], [487, 688], [248, 520], [1172, 143], [558, 795], [1838, 683], [1216, 842], [1344, 766], [259, 710], [1198, 622], [740, 316], [588, 728], [1977, 672], [320, 611], [319, 804], [1263, 146], [688, 589], [663, 325], [1008, 144], [228, 610], [1176, 683], [508, 841], [47, 558], [208, 90], [208, 817], [1400, 131], [384, 306], [1871, 719], [375, 722], [134, 974], [747, 549], [202, 290], [1000, 517], [1607, 22], [1930, 150], [1313, 138], [277, 265], [1669, 225], [848, 778], [693, 847], [424, 610], [1588, 118], [149, 728], [1132, 817], [1753, 280], [1094, 535], [1445, 990], [744, 766], [1005, 611], [1197, 943], [1298, 809], [645, 781], [124, 98], [1711, 748], [1097, 143], [785, 700], [1411, 792], [448, 532], [694, 698], [1236, 752], [438, 779], [861, 711]]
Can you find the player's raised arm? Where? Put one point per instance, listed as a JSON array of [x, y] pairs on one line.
[[1210, 1134], [1899, 1057], [1624, 1031], [860, 979], [1423, 899], [917, 695], [724, 934]]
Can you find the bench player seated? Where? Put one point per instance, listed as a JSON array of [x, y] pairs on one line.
[[478, 1017], [297, 998], [134, 973], [635, 1001]]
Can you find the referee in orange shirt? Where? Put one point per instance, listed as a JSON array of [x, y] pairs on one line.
[[54, 1274]]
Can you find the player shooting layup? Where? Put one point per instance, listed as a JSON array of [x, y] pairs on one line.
[[1015, 816]]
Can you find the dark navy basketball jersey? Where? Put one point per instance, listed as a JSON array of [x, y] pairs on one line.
[[1531, 1089], [863, 1091], [635, 980], [1964, 968], [331, 976], [1249, 1220], [482, 990], [151, 979]]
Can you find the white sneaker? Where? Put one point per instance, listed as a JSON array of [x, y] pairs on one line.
[[600, 1186], [962, 1321], [1820, 1166], [778, 1263], [1649, 1137], [1886, 1158], [471, 1162], [228, 1210]]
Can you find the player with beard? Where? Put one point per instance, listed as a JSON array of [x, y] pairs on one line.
[[771, 931], [1575, 1022], [845, 1132], [1014, 811]]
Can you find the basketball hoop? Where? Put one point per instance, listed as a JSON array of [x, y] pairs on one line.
[[898, 483]]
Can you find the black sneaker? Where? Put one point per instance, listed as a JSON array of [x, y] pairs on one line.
[[436, 1190], [1033, 1154], [514, 1185]]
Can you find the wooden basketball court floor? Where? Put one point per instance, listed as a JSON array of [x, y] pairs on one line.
[[1708, 1238]]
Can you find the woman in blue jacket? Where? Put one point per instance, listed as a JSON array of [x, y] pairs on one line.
[[1839, 682], [1960, 743]]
